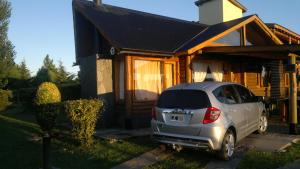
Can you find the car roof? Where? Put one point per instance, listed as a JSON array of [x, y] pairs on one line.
[[204, 86]]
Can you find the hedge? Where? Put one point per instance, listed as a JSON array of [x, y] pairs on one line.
[[27, 95], [5, 99], [83, 115]]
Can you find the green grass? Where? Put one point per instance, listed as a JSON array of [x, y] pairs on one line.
[[17, 150], [265, 160], [186, 159]]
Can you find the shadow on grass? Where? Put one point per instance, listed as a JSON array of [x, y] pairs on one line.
[[186, 159], [18, 151], [266, 160]]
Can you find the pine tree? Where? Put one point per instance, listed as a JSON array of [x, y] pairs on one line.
[[24, 72], [63, 75], [47, 73], [48, 64], [7, 53]]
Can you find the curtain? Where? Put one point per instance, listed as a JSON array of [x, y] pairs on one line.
[[147, 80], [199, 71], [217, 71]]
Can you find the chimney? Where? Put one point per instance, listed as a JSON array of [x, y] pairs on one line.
[[216, 11], [98, 2]]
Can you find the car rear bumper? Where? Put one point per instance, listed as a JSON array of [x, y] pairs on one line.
[[209, 136], [186, 141]]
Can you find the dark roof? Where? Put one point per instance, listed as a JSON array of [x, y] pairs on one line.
[[284, 29], [130, 29], [210, 32]]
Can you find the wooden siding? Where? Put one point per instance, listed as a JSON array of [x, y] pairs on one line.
[[182, 69], [135, 109]]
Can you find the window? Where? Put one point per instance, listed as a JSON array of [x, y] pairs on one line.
[[227, 94], [232, 39], [245, 95], [220, 95], [183, 99], [207, 71], [147, 80]]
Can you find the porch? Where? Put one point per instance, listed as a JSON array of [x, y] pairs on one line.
[[268, 71]]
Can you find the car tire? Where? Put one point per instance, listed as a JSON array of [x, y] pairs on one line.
[[263, 124], [228, 144]]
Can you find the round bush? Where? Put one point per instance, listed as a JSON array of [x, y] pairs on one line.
[[47, 93], [47, 101]]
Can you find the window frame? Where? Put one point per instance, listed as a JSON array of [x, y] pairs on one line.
[[162, 61]]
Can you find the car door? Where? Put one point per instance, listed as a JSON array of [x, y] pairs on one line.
[[250, 108], [230, 100]]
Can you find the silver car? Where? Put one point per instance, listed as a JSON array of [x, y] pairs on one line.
[[209, 115]]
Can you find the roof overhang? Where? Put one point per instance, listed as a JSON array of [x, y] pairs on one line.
[[253, 18], [271, 52]]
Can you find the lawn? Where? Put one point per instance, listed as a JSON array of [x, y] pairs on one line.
[[263, 160], [18, 150], [186, 159]]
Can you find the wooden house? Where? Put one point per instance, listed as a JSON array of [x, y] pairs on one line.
[[128, 57]]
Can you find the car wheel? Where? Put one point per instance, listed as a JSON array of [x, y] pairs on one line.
[[263, 124], [227, 149]]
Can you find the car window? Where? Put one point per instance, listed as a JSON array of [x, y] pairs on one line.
[[183, 99], [245, 94], [226, 94], [218, 93]]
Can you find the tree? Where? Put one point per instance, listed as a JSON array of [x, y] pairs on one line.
[[47, 73], [48, 64], [24, 72], [62, 74], [7, 53], [44, 75]]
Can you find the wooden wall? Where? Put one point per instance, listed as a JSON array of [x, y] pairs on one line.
[[138, 113]]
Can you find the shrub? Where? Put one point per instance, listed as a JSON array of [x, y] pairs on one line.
[[47, 100], [83, 115], [47, 93], [5, 97]]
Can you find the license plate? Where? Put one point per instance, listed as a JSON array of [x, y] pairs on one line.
[[178, 117]]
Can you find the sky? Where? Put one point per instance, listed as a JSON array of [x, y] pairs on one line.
[[41, 27]]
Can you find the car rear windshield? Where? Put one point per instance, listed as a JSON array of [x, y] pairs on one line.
[[183, 99]]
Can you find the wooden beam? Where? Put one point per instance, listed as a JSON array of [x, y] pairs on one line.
[[244, 36], [254, 18], [188, 71], [253, 49], [228, 31], [267, 30], [293, 98], [128, 84]]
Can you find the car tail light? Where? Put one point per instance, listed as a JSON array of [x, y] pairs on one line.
[[154, 113], [212, 114]]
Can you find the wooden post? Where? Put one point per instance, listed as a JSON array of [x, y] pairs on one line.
[[188, 69], [128, 84], [293, 98], [244, 36]]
